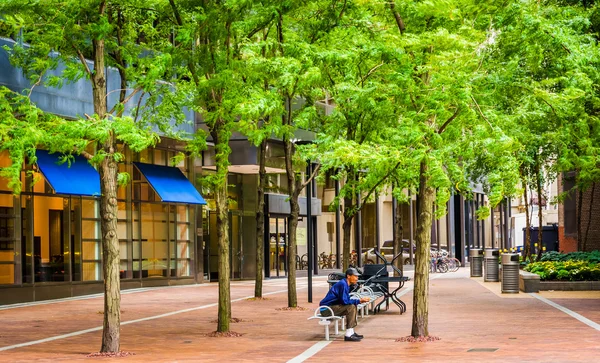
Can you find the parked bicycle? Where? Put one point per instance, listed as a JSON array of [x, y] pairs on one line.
[[301, 262], [442, 262], [326, 261]]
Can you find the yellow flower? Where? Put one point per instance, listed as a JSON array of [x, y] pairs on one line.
[[535, 244]]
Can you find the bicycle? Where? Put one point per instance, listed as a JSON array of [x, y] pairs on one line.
[[326, 261], [301, 262], [439, 263], [441, 258]]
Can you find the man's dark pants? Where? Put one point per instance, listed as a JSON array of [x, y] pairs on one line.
[[349, 311]]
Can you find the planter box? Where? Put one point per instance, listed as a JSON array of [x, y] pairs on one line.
[[570, 285], [529, 282]]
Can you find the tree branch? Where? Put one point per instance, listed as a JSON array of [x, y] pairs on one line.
[[260, 27], [190, 64], [36, 83], [553, 110], [363, 79], [481, 113], [561, 44], [449, 120], [312, 176], [127, 99], [397, 16], [83, 61], [137, 109], [376, 185], [86, 155]]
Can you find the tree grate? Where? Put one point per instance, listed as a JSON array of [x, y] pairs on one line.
[[482, 350]]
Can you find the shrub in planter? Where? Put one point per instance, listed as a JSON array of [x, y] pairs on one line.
[[565, 271], [593, 256]]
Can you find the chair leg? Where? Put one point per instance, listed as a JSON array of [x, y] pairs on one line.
[[326, 332], [336, 327]]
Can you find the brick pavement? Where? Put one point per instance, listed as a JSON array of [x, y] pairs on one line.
[[465, 313]]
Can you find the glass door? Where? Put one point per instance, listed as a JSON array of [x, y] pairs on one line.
[[236, 251], [278, 246]]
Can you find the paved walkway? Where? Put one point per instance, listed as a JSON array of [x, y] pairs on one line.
[[476, 323]]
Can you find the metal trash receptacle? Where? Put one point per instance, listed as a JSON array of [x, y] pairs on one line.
[[476, 262], [510, 273], [491, 264]]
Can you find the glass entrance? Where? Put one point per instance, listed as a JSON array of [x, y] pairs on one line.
[[236, 253], [211, 247], [278, 251]]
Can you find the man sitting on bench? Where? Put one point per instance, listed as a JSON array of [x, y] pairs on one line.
[[338, 299]]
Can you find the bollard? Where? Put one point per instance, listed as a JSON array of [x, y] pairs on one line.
[[491, 265], [476, 261], [510, 273]]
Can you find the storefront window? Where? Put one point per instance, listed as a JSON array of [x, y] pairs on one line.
[[122, 233], [154, 240], [141, 188], [160, 157], [122, 189], [137, 245], [58, 237], [91, 240], [184, 244], [7, 242], [49, 244], [4, 162]]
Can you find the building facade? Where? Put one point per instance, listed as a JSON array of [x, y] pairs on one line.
[[50, 242]]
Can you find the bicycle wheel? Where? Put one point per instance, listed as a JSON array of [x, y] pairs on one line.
[[442, 267], [456, 263], [452, 267]]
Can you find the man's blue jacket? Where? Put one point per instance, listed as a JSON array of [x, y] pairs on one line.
[[339, 294]]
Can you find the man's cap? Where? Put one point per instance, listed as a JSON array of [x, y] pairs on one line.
[[352, 272]]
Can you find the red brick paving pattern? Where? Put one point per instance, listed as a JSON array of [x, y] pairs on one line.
[[462, 312]]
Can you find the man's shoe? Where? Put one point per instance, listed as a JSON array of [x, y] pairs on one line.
[[359, 336], [352, 338]]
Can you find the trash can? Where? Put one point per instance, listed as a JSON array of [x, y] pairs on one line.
[[476, 261], [490, 257], [510, 273]]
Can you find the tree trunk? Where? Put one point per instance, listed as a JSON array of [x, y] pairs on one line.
[[110, 251], [589, 221], [260, 219], [398, 236], [579, 210], [291, 257], [293, 217], [426, 198], [349, 213], [347, 230], [538, 176], [527, 250], [108, 208], [222, 161]]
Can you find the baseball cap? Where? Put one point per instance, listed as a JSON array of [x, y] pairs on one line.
[[352, 271]]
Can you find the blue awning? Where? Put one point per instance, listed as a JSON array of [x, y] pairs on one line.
[[170, 184], [79, 179]]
